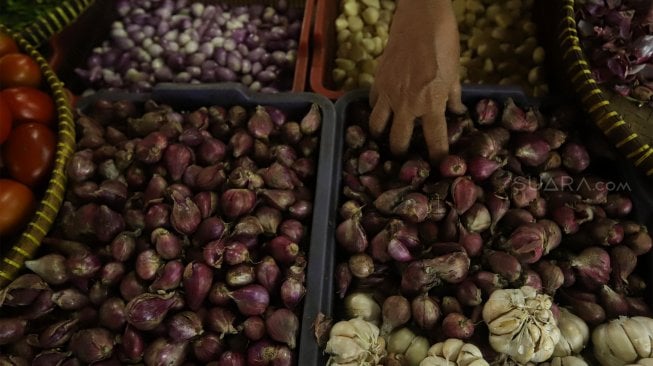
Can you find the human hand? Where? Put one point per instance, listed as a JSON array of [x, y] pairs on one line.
[[417, 76]]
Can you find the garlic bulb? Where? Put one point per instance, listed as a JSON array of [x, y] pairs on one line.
[[362, 305], [355, 342], [521, 324], [404, 342], [574, 334], [623, 340], [643, 362], [565, 361], [454, 352]]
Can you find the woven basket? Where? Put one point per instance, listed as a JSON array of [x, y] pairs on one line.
[[29, 240], [54, 21], [623, 123]]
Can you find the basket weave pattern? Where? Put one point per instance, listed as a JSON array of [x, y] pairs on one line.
[[606, 118], [29, 241]]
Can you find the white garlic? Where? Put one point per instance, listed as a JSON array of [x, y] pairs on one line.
[[521, 324], [623, 340], [355, 342], [454, 352], [574, 334]]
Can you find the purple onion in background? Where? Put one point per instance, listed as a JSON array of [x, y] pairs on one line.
[[152, 43]]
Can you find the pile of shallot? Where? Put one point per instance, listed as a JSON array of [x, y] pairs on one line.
[[182, 240], [516, 205]]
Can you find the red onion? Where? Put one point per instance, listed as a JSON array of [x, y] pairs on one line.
[[231, 358], [207, 347], [150, 149], [147, 311], [343, 279], [283, 249], [310, 123], [477, 218], [268, 273], [504, 264], [50, 267], [247, 226], [240, 275], [292, 292], [639, 242], [463, 194], [396, 312], [522, 191], [251, 299], [237, 202], [292, 229], [169, 277], [112, 314], [414, 172], [531, 149], [148, 263], [480, 168], [163, 352], [527, 242], [211, 151], [425, 311], [424, 274], [282, 326], [157, 215], [515, 119], [184, 326], [241, 143], [269, 218], [221, 320], [92, 345], [70, 299], [501, 180], [213, 253], [22, 291], [197, 281], [615, 304], [591, 312], [131, 286], [488, 282], [368, 160], [479, 143], [50, 357], [592, 267], [254, 328], [12, 330], [575, 157], [123, 246], [219, 294], [486, 111], [457, 325], [468, 293], [351, 236]]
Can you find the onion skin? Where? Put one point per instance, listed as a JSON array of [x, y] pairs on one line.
[[351, 236], [207, 347], [292, 292], [221, 320], [593, 267]]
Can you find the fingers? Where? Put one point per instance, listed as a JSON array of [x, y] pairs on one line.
[[434, 126], [379, 116], [401, 131], [374, 95], [455, 103]]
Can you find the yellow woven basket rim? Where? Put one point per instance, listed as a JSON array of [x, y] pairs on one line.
[[606, 118], [29, 241]]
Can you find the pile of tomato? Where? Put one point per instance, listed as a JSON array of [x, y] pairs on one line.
[[27, 136]]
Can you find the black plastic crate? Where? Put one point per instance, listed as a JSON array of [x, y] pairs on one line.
[[185, 96], [326, 301]]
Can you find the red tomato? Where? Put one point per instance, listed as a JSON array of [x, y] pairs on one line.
[[7, 44], [29, 105], [17, 69], [18, 204], [5, 120], [29, 153]]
